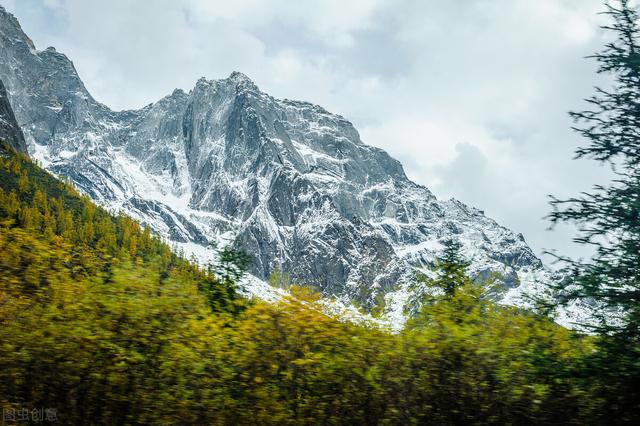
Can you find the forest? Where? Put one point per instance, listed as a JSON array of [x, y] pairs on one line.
[[101, 320]]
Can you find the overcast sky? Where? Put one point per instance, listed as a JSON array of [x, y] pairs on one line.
[[470, 95]]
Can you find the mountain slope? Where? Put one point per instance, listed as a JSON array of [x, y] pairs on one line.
[[288, 181], [10, 131]]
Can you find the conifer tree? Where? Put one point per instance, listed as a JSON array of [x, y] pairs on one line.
[[609, 216], [609, 219], [451, 268]]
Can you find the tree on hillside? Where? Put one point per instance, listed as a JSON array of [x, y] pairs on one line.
[[451, 268], [609, 215]]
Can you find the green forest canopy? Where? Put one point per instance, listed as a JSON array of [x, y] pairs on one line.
[[101, 321]]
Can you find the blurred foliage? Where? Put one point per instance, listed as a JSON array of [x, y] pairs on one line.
[[100, 320]]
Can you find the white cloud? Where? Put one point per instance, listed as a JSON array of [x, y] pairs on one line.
[[331, 20]]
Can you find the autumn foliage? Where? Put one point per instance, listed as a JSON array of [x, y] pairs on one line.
[[102, 321]]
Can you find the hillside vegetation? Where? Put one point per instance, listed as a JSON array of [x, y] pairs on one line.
[[101, 321]]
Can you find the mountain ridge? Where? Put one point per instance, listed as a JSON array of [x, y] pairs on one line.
[[288, 181]]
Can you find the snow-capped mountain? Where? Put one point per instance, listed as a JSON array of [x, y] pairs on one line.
[[290, 182]]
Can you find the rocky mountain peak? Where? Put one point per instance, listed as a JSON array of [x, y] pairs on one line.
[[240, 78], [10, 27], [290, 182]]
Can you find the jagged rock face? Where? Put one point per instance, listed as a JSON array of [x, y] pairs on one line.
[[10, 131], [290, 182]]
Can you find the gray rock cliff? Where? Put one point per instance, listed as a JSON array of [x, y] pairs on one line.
[[10, 131], [290, 182]]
